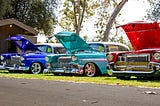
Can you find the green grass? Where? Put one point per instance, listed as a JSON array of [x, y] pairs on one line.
[[83, 79]]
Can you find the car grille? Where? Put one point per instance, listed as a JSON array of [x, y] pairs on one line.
[[62, 62], [14, 60], [134, 62], [138, 58]]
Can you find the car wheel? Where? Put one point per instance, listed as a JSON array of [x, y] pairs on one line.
[[36, 68], [90, 69]]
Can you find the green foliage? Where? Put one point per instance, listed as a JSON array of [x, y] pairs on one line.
[[153, 13], [75, 13], [39, 14], [5, 7], [103, 14]]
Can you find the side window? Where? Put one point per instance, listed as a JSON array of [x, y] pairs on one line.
[[97, 47], [59, 50], [42, 48], [121, 48], [117, 48], [100, 48], [45, 48], [49, 49]]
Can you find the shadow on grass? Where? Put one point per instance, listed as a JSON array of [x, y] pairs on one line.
[[143, 79]]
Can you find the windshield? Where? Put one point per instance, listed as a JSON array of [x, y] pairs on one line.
[[108, 48], [45, 48], [113, 48], [49, 49]]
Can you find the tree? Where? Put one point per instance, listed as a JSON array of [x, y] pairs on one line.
[[112, 19], [39, 14], [5, 7], [153, 13], [74, 14], [107, 17]]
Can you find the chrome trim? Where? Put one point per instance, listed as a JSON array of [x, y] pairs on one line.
[[17, 68], [131, 66], [2, 67], [131, 72], [157, 65]]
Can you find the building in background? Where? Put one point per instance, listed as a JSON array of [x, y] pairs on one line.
[[10, 27]]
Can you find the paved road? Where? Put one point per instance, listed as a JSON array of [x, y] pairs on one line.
[[26, 92]]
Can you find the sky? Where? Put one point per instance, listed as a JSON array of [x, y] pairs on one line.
[[133, 10]]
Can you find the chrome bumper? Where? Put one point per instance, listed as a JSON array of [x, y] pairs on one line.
[[18, 68], [155, 67], [23, 68], [2, 67], [74, 71]]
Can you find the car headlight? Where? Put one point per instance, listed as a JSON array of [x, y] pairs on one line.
[[156, 56], [74, 58], [110, 57], [2, 58], [47, 59], [22, 58]]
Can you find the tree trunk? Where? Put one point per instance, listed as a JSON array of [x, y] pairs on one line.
[[112, 18], [78, 14]]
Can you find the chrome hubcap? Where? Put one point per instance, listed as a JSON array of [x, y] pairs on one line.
[[36, 68], [90, 69]]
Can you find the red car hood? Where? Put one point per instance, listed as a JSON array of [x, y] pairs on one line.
[[143, 35]]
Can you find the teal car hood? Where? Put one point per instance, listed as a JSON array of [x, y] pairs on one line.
[[72, 42]]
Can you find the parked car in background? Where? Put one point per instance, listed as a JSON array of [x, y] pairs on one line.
[[144, 60], [80, 57], [108, 46], [31, 58]]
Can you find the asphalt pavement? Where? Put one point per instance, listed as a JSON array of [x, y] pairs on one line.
[[33, 92]]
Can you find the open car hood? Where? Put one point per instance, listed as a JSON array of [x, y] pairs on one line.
[[143, 35], [22, 43], [72, 42]]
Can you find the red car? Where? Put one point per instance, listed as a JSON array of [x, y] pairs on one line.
[[144, 60]]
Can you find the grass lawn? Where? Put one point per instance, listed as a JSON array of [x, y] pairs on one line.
[[83, 79]]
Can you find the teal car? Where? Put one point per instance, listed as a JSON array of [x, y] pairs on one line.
[[79, 59]]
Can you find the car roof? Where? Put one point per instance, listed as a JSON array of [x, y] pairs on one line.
[[109, 43], [51, 44]]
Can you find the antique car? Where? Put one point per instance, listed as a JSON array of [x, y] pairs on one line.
[[31, 57], [108, 46], [144, 60], [80, 58]]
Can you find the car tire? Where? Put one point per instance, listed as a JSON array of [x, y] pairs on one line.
[[36, 68], [90, 69]]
